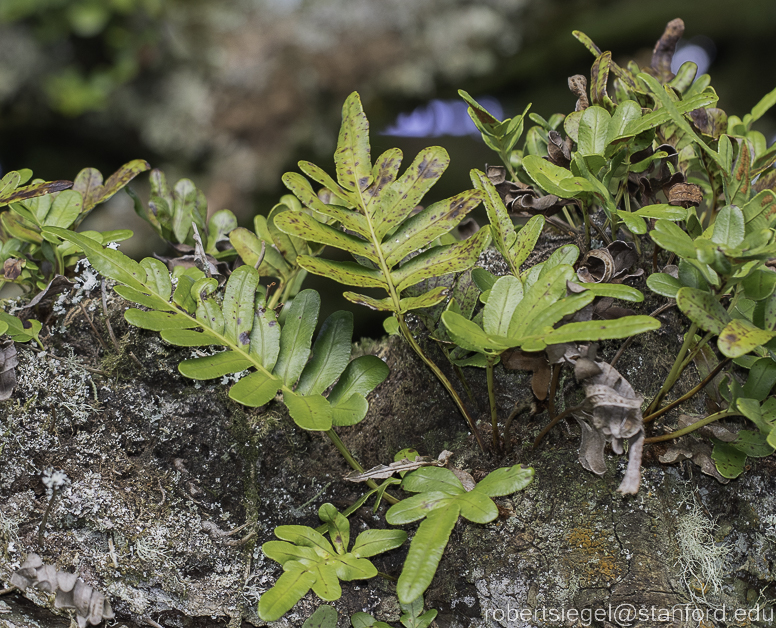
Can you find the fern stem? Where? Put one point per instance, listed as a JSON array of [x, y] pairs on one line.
[[553, 423], [440, 376], [586, 216], [343, 449], [714, 372], [676, 370], [691, 428], [505, 158], [493, 408], [568, 217]]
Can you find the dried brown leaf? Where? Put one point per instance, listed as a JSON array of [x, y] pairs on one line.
[[57, 285], [71, 592], [558, 149], [381, 471], [665, 49], [8, 362], [466, 478], [12, 268], [611, 412], [578, 87], [685, 194], [537, 363], [699, 452]]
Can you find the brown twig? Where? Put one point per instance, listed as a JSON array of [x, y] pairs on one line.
[[134, 357], [520, 406], [94, 329], [553, 423], [8, 590], [607, 240], [42, 528], [107, 318], [714, 372], [553, 389], [85, 368]]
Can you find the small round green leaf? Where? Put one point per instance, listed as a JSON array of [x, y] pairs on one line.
[[505, 481], [663, 284]]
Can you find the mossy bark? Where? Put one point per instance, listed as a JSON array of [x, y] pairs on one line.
[[162, 468]]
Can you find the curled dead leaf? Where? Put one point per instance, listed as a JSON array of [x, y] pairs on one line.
[[8, 362], [609, 265], [697, 451], [664, 50], [685, 194], [521, 198], [71, 592], [610, 413], [558, 149], [12, 268], [578, 87], [657, 177]]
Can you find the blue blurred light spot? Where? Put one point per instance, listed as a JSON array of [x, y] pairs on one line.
[[701, 50], [441, 117]]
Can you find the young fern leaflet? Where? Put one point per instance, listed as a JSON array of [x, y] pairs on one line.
[[376, 211]]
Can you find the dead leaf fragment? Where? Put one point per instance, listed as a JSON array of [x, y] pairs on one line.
[[610, 413], [382, 472], [57, 285], [12, 268], [466, 479], [578, 87], [665, 49], [697, 451], [71, 592], [558, 149], [521, 198], [8, 362], [609, 265], [685, 194], [537, 363]]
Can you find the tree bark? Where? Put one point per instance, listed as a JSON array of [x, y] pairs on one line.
[[162, 469]]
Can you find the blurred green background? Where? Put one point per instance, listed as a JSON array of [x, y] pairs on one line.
[[232, 93]]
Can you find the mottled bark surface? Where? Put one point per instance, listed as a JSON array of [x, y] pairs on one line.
[[161, 468]]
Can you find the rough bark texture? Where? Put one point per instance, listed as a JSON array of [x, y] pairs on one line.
[[160, 467]]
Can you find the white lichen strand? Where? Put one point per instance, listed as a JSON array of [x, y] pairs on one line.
[[702, 560]]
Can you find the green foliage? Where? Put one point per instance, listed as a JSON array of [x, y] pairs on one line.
[[251, 335], [175, 212], [499, 136], [375, 209], [412, 617], [311, 562], [27, 246], [121, 28], [20, 331], [275, 253], [656, 158], [439, 500], [394, 247], [324, 617], [521, 310]]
